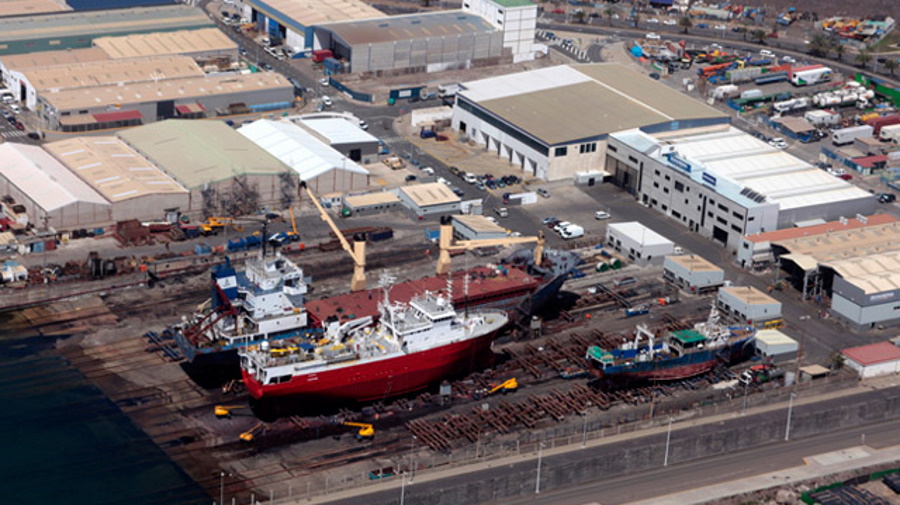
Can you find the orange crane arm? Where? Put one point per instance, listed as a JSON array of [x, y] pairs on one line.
[[357, 251]]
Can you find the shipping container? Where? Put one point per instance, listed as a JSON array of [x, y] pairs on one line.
[[846, 136], [320, 55], [880, 122]]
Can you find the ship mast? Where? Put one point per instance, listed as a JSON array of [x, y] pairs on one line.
[[387, 281]]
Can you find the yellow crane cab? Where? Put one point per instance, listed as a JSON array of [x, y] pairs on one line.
[[507, 386], [250, 435], [365, 432], [223, 411]]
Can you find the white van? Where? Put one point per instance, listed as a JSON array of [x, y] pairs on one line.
[[572, 231], [765, 53], [470, 178]]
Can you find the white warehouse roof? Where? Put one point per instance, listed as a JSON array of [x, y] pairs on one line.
[[639, 233], [337, 130], [45, 180], [298, 149], [751, 164]]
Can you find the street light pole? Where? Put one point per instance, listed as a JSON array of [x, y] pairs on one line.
[[222, 488], [668, 440], [787, 427], [412, 460], [402, 487], [584, 430], [537, 482]]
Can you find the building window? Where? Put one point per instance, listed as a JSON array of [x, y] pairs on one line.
[[668, 178], [632, 159], [751, 218], [736, 228], [723, 208], [657, 173], [679, 186], [613, 148], [709, 213], [746, 245], [676, 214], [737, 215], [561, 151], [656, 185], [588, 148], [666, 190], [720, 220], [665, 208]]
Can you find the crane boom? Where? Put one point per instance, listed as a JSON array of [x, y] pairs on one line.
[[357, 251], [447, 243]]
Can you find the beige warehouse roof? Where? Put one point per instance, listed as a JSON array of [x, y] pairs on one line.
[[196, 152], [112, 168], [100, 73], [434, 193], [171, 89], [29, 7], [317, 12], [50, 58], [872, 274], [694, 263], [44, 179], [162, 43], [379, 198], [846, 243], [749, 295], [568, 103], [479, 224]]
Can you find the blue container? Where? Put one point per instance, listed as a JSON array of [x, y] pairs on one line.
[[237, 244], [37, 247], [252, 241], [202, 249]]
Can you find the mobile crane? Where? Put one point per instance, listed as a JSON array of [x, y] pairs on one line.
[[507, 386], [357, 251], [365, 432], [447, 244]]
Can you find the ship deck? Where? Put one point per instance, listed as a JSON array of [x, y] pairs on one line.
[[484, 283]]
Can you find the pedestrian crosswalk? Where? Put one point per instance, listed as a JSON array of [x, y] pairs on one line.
[[13, 134]]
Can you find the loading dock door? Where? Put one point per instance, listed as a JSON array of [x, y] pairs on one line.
[[720, 235]]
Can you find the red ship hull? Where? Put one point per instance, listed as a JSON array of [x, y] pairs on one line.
[[382, 379]]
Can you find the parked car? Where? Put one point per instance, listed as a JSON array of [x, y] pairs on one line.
[[778, 142], [543, 192], [480, 186], [560, 225], [602, 215], [887, 197], [846, 177], [549, 219], [670, 22], [326, 101], [324, 82], [492, 219], [411, 178], [457, 191], [501, 211], [455, 171], [428, 170], [652, 36], [443, 181], [470, 178]]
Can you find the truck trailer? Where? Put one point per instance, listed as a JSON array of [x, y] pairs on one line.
[[846, 136], [890, 133], [810, 75]]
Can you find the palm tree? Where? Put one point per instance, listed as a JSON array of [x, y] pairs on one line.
[[758, 36], [818, 45], [890, 65], [610, 12], [685, 23], [839, 50], [579, 16], [864, 57], [636, 18]]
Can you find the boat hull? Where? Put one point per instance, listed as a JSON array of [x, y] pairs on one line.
[[380, 379], [671, 369]]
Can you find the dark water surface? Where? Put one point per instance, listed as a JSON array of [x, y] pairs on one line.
[[65, 442]]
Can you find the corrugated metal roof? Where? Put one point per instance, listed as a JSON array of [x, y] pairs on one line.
[[479, 224], [873, 354], [112, 168], [820, 229], [29, 7], [49, 58], [751, 163], [412, 26], [378, 198], [338, 130], [161, 43], [298, 149], [90, 23], [197, 152], [116, 72], [181, 89], [44, 179], [307, 13], [874, 273], [844, 244], [549, 103]]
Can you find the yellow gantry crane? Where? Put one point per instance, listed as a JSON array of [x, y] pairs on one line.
[[357, 251], [447, 244]]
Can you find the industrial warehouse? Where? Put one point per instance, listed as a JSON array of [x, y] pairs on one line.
[[723, 183], [536, 119], [73, 30]]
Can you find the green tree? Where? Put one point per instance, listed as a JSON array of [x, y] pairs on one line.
[[636, 19], [685, 23], [819, 45], [890, 65], [758, 36], [863, 57], [579, 16]]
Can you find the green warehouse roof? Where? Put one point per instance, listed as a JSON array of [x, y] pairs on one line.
[[196, 152]]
